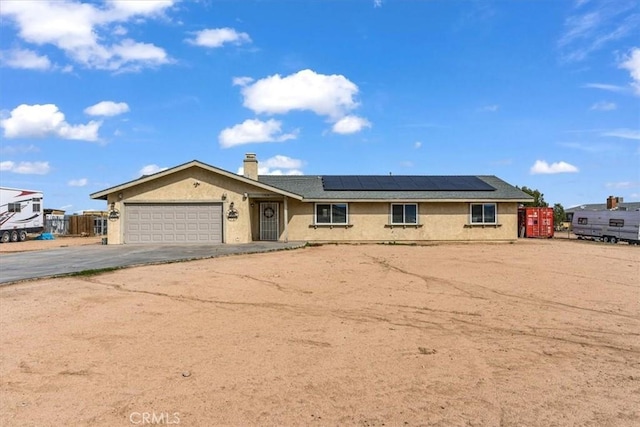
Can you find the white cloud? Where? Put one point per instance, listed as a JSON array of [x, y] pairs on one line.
[[489, 108], [631, 63], [126, 9], [350, 124], [284, 166], [623, 133], [607, 87], [542, 167], [26, 168], [417, 145], [267, 171], [596, 26], [242, 81], [132, 56], [284, 162], [150, 170], [89, 34], [39, 121], [25, 59], [253, 130], [280, 172], [217, 37], [306, 90], [107, 108], [119, 30], [604, 106], [77, 182]]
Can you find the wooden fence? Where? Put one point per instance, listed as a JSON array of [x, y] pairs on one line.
[[76, 225]]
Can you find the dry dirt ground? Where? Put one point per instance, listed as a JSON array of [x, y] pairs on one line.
[[37, 245], [536, 333]]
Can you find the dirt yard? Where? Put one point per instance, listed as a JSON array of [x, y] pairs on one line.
[[536, 333], [38, 245]]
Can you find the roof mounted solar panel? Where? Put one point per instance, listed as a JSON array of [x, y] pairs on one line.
[[403, 183]]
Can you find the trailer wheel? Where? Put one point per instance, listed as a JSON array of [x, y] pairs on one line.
[[14, 236], [613, 240], [605, 239], [5, 237], [22, 236]]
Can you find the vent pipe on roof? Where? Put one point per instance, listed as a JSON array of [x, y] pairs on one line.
[[250, 166]]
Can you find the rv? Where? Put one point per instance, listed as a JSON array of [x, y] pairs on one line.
[[610, 226], [21, 212]]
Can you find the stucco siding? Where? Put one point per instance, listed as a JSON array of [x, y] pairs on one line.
[[191, 185], [371, 222]]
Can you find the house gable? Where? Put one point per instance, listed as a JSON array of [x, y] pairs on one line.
[[207, 173]]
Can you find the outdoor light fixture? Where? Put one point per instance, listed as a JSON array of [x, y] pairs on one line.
[[119, 196], [224, 196], [245, 196]]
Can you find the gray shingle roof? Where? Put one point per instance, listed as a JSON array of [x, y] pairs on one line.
[[310, 188], [632, 206]]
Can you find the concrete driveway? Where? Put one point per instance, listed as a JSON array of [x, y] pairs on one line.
[[15, 267]]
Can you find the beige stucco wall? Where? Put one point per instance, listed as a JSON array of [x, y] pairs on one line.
[[370, 222], [190, 185]]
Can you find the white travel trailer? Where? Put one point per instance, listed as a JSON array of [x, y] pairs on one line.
[[610, 226], [21, 212]]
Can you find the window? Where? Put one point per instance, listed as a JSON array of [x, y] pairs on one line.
[[583, 221], [616, 223], [14, 207], [404, 214], [331, 213], [36, 205], [483, 213]]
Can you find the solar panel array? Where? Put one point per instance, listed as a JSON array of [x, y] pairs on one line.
[[403, 183]]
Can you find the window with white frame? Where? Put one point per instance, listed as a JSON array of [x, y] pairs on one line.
[[14, 207], [404, 213], [331, 213], [483, 213], [36, 204]]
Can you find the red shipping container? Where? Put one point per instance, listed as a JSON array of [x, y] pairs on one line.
[[535, 222]]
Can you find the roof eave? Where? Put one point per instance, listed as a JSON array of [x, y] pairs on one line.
[[421, 200], [103, 195]]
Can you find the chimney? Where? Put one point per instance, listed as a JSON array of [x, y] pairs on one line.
[[612, 202], [250, 166]]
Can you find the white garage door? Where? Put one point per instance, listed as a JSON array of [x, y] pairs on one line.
[[173, 223]]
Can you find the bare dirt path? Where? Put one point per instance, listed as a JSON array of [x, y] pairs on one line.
[[536, 333], [38, 245]]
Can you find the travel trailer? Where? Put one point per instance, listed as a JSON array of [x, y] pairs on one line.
[[21, 213], [610, 226]]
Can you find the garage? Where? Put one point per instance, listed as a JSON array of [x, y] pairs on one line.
[[173, 223]]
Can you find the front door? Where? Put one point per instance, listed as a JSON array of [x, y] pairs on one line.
[[269, 221]]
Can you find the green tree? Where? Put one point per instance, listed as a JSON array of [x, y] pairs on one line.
[[559, 216], [538, 197]]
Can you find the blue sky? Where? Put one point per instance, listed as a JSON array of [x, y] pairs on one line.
[[544, 94]]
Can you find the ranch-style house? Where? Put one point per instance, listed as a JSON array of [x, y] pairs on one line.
[[199, 203]]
